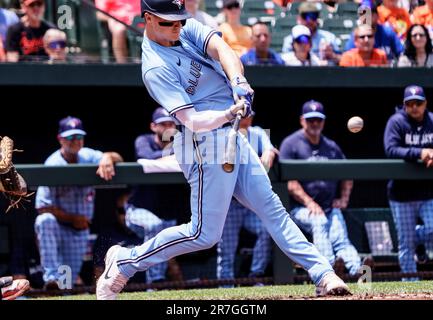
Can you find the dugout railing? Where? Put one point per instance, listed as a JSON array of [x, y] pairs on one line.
[[283, 270]]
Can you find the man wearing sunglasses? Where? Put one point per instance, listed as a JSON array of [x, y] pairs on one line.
[[24, 39], [193, 74], [365, 54], [324, 44], [316, 205], [409, 136], [65, 212], [55, 45]]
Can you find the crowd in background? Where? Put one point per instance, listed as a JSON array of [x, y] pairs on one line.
[[399, 33]]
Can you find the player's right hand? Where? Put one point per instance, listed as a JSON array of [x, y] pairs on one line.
[[241, 105], [427, 157]]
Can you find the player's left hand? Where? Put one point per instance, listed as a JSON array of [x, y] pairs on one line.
[[242, 89], [106, 168]]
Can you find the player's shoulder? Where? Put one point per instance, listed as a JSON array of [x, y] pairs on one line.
[[293, 138], [55, 159], [329, 143]]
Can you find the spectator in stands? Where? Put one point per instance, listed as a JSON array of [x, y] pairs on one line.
[[302, 54], [424, 15], [24, 39], [418, 52], [325, 45], [237, 36], [55, 45], [261, 54], [384, 38], [397, 18], [65, 213], [7, 18], [151, 209], [125, 11], [239, 216], [192, 6], [364, 55], [408, 136], [316, 206]]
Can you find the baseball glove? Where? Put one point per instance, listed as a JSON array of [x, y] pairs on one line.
[[12, 183]]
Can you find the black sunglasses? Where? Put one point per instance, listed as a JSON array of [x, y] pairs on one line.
[[59, 44], [310, 16], [36, 4], [411, 103], [233, 6], [368, 36], [171, 23]]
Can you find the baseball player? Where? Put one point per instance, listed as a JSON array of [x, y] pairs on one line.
[[148, 211], [316, 205], [239, 216], [191, 72], [409, 136], [65, 212]]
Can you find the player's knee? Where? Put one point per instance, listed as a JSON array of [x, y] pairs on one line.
[[209, 241], [46, 221]]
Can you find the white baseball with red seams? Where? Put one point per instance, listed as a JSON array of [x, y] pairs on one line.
[[355, 124]]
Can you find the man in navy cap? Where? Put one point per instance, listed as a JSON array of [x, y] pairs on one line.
[[409, 136], [151, 209], [315, 205], [65, 212]]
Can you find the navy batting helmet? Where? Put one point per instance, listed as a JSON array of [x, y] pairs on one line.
[[172, 10]]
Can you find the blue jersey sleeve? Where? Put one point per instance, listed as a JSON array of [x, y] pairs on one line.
[[165, 88], [286, 150], [199, 34]]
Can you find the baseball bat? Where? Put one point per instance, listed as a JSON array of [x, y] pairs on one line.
[[230, 151]]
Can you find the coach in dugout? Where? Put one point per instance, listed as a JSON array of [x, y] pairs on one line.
[[409, 136], [316, 205]]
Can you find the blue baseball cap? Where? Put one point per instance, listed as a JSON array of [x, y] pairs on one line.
[[161, 115], [69, 126], [313, 109], [413, 93]]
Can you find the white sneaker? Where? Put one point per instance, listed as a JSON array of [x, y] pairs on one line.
[[332, 285], [111, 281], [14, 289]]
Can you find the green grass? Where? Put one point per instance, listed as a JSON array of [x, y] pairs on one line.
[[267, 292]]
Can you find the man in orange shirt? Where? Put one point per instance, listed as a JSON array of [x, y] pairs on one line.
[[424, 14], [237, 36], [397, 18], [364, 55]]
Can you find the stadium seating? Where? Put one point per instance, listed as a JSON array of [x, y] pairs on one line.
[[283, 27], [135, 39]]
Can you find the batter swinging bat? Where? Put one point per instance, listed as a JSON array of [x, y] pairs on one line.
[[230, 152]]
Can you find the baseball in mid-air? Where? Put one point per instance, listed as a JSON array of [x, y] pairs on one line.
[[355, 124]]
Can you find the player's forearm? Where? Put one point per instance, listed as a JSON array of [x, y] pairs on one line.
[[114, 156], [346, 189], [298, 193], [202, 121], [60, 215]]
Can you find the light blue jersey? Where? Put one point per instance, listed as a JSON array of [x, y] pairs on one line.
[[181, 77], [184, 76], [60, 244]]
